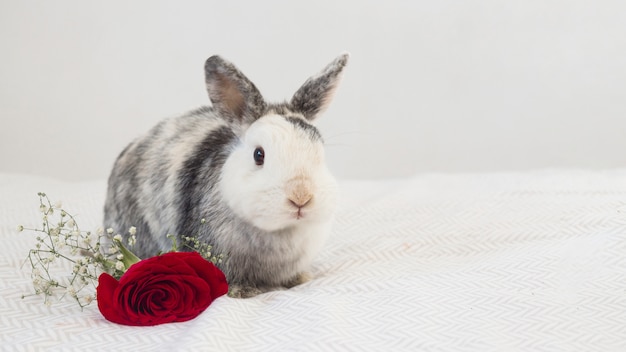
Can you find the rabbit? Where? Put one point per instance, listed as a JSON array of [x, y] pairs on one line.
[[254, 171]]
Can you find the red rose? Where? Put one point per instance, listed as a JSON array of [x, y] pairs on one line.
[[172, 287]]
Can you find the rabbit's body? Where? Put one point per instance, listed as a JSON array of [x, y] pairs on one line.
[[254, 171]]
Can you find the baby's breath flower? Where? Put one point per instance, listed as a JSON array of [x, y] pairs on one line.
[[203, 221], [60, 245], [58, 204], [37, 282], [89, 254], [86, 240]]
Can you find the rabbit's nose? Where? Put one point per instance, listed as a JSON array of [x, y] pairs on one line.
[[300, 201], [299, 192]]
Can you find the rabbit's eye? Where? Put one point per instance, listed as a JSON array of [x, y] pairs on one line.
[[259, 156]]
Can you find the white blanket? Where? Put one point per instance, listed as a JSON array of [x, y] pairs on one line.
[[530, 261]]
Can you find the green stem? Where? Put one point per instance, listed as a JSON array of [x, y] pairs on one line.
[[129, 257]]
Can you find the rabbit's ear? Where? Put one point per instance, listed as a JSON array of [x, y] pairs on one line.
[[317, 92], [231, 93]]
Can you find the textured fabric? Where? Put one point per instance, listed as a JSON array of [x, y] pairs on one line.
[[530, 261]]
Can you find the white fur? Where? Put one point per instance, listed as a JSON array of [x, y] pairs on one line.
[[260, 193]]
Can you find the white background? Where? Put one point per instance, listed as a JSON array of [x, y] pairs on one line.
[[451, 86]]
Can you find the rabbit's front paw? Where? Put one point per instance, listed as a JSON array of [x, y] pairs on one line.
[[299, 279], [243, 291]]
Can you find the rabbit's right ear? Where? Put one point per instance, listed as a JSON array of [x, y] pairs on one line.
[[316, 93], [232, 93]]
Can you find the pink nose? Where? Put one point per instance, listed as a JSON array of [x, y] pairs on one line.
[[301, 201]]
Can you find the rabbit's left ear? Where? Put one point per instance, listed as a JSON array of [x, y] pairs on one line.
[[232, 93], [317, 92]]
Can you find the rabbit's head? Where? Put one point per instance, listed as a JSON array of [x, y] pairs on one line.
[[275, 176]]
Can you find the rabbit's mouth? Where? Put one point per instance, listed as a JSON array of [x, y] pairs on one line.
[[298, 206]]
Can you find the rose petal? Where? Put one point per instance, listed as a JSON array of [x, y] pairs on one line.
[[106, 297], [210, 273]]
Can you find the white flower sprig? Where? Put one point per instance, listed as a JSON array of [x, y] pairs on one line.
[[60, 241], [61, 244]]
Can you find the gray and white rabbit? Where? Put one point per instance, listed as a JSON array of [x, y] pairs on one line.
[[255, 171]]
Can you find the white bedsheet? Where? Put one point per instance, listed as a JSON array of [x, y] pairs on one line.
[[531, 261]]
